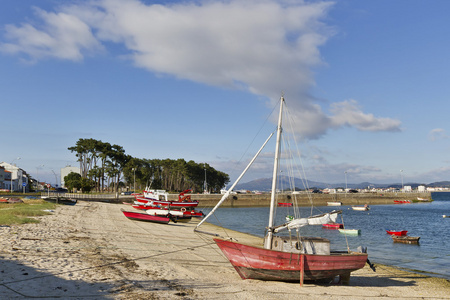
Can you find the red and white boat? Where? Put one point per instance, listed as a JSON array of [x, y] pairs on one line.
[[288, 257], [395, 232], [186, 211], [161, 198]]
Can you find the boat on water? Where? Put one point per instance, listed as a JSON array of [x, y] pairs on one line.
[[350, 231], [405, 239], [333, 225], [334, 203], [397, 232], [289, 257], [285, 204], [361, 208], [138, 216]]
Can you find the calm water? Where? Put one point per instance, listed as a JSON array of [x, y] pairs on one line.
[[431, 256]]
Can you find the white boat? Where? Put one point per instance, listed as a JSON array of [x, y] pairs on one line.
[[361, 208], [287, 257], [350, 231], [334, 203]]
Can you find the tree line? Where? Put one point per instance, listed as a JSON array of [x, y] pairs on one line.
[[106, 167]]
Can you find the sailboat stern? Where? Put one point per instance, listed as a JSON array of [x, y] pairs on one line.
[[253, 262]]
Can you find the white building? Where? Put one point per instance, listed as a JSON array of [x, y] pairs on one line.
[[15, 179], [66, 171]]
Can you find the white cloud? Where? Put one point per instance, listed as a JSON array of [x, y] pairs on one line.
[[264, 46], [61, 36], [347, 113], [437, 134]]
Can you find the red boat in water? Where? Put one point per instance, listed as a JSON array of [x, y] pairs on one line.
[[398, 233], [148, 218], [333, 225], [283, 204]]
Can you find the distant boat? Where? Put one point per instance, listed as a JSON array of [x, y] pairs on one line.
[[334, 203], [284, 204], [397, 232], [402, 202], [350, 231], [445, 216], [405, 239], [361, 208], [333, 225], [422, 200]]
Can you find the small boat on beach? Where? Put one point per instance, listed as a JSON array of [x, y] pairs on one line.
[[60, 200], [350, 231], [405, 239], [397, 232], [334, 203], [333, 225], [160, 198], [419, 200], [361, 208], [402, 202], [148, 218]]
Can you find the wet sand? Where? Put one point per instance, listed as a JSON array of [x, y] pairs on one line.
[[91, 250]]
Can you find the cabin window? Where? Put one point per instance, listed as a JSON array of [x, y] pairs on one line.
[[298, 246]]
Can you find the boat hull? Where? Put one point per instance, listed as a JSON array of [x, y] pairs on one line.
[[146, 217], [398, 233], [333, 225], [263, 264], [405, 239]]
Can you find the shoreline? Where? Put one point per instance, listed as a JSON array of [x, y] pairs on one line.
[[91, 250]]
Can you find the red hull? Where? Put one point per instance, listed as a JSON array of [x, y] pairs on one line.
[[263, 264], [398, 233], [146, 217], [192, 213], [402, 201], [282, 204], [333, 225]]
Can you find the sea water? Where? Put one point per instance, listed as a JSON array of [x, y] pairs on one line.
[[431, 256]]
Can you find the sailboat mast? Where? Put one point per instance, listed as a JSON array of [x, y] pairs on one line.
[[269, 236]]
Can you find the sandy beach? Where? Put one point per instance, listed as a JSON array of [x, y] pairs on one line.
[[91, 251]]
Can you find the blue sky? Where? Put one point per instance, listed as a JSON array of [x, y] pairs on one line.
[[367, 81]]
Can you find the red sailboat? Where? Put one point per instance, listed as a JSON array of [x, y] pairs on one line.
[[291, 257]]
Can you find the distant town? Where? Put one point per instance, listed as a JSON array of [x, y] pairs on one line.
[[15, 179]]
